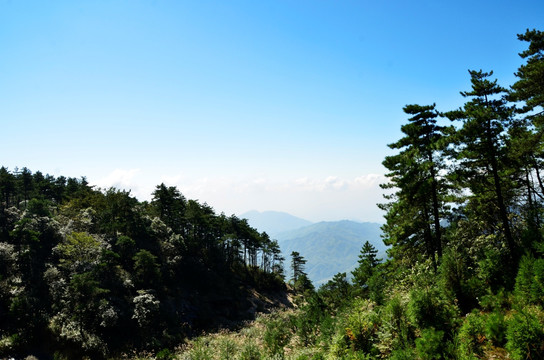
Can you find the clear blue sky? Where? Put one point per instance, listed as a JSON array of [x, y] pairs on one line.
[[266, 105]]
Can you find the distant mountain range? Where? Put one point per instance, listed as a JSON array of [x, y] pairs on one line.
[[274, 222], [329, 247]]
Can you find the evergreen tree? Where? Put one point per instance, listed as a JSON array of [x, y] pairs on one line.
[[26, 183], [527, 137], [530, 86], [366, 265], [170, 205], [413, 215], [7, 187], [481, 155], [297, 265]]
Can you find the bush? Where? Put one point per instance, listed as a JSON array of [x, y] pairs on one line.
[[525, 335], [306, 354], [529, 286], [471, 336], [250, 351], [327, 329], [165, 354], [403, 354], [427, 309], [276, 336], [494, 302], [308, 322], [376, 286], [362, 323], [492, 271], [227, 348], [356, 330], [495, 328], [457, 283], [430, 345], [200, 350], [395, 332]]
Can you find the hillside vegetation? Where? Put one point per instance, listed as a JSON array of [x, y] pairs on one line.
[[90, 272], [464, 217], [96, 273]]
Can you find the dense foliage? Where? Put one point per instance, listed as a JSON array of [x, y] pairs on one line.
[[90, 272]]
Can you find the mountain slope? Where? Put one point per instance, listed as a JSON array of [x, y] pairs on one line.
[[330, 247], [274, 222]]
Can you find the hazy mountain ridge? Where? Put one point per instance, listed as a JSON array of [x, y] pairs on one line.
[[348, 227], [329, 247], [274, 222]]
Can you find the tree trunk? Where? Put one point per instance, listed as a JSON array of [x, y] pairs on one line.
[[503, 213], [434, 190]]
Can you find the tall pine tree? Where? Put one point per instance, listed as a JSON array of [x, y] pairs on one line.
[[481, 154], [414, 212]]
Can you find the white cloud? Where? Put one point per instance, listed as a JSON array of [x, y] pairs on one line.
[[315, 199], [171, 180], [370, 180], [329, 198], [118, 178], [124, 179]]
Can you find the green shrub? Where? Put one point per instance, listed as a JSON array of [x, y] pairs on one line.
[[403, 354], [339, 344], [361, 325], [376, 286], [227, 348], [307, 354], [356, 330], [529, 286], [430, 345], [427, 308], [201, 350], [307, 323], [495, 328], [471, 336], [395, 331], [457, 282], [494, 302], [525, 335], [422, 309], [250, 351], [491, 270], [318, 356], [165, 354], [327, 330], [276, 336]]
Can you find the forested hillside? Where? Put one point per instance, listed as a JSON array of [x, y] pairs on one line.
[[95, 272], [330, 247], [90, 272]]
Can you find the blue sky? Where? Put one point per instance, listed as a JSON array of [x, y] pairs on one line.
[[266, 105]]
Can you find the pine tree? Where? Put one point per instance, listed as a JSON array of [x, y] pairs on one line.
[[170, 205], [481, 155], [368, 262], [297, 265], [527, 137], [530, 86], [413, 214]]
